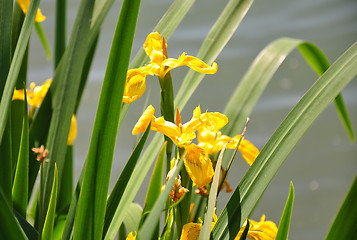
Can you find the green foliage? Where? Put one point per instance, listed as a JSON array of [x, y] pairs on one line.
[[94, 212]]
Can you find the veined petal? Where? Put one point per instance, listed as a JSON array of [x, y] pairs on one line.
[[263, 230], [191, 231], [153, 47], [144, 120], [24, 5], [169, 129], [192, 62], [72, 131], [135, 84], [247, 149], [214, 121], [198, 165], [18, 95]]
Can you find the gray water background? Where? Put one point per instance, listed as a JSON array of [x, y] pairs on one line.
[[323, 164]]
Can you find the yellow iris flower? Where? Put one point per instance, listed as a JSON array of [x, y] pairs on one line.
[[180, 134], [213, 142], [35, 97], [160, 65], [197, 161], [263, 230], [24, 5]]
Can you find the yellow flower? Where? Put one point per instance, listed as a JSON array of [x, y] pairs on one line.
[[198, 165], [213, 142], [160, 65], [35, 95], [72, 131], [191, 231], [24, 5], [131, 236], [181, 135], [263, 230]]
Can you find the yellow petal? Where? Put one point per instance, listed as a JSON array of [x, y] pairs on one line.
[[263, 230], [198, 165], [192, 62], [154, 48], [144, 120], [191, 231], [247, 149], [131, 236], [214, 121], [24, 5], [18, 95], [37, 93], [170, 130], [135, 85], [72, 131]]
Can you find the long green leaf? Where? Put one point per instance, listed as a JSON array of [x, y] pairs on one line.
[[28, 229], [344, 225], [93, 197], [16, 65], [132, 219], [148, 228], [212, 198], [20, 184], [47, 230], [155, 184], [64, 91], [283, 141], [122, 182], [60, 32], [284, 224], [215, 41], [43, 39], [9, 226], [5, 40]]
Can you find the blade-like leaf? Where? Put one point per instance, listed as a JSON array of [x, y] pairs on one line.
[[93, 197], [60, 32], [16, 64], [344, 225], [212, 198], [284, 224], [20, 184], [148, 228], [215, 41], [283, 141], [9, 226], [43, 39], [120, 186], [155, 184], [132, 219], [47, 230], [29, 230]]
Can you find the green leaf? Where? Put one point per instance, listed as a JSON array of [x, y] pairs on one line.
[[245, 232], [60, 30], [5, 41], [66, 183], [132, 219], [155, 184], [20, 184], [64, 89], [16, 64], [344, 225], [272, 156], [215, 41], [29, 230], [93, 197], [131, 190], [9, 226], [43, 39], [284, 224], [212, 198], [149, 226], [122, 182], [47, 230], [319, 62]]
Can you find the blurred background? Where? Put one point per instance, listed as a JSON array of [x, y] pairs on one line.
[[323, 164]]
